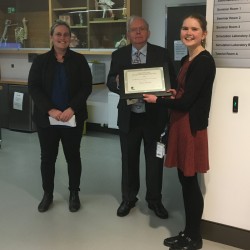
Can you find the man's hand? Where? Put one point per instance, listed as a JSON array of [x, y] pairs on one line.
[[149, 98]]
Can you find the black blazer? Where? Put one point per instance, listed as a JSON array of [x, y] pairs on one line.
[[40, 83], [121, 59]]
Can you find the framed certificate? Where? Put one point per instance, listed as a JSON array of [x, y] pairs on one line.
[[143, 81]]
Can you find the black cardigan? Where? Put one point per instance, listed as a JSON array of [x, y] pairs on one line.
[[40, 83], [198, 91]]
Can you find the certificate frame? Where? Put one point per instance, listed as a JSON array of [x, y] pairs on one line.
[[139, 81]]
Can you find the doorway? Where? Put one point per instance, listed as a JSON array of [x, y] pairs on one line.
[[174, 17]]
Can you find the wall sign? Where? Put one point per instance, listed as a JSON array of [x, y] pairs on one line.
[[180, 50], [231, 33]]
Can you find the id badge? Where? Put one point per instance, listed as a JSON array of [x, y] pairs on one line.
[[160, 150]]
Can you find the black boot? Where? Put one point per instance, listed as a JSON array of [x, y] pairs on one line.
[[187, 243], [171, 241], [45, 203], [74, 201]]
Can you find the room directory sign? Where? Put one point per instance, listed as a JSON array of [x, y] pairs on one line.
[[231, 33]]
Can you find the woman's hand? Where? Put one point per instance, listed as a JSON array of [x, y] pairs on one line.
[[66, 114], [55, 113], [173, 92], [149, 98]]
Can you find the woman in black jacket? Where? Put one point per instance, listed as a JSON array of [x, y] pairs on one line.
[[60, 82], [187, 143]]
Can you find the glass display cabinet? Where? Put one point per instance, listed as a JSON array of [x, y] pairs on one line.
[[98, 26], [24, 24]]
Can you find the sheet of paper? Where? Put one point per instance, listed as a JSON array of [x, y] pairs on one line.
[[18, 101], [180, 50], [70, 123]]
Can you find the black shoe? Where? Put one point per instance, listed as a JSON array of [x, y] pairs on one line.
[[125, 207], [171, 241], [187, 243], [74, 201], [159, 210], [45, 203]]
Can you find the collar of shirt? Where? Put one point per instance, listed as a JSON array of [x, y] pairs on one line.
[[143, 50]]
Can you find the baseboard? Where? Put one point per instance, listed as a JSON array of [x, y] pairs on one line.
[[227, 235]]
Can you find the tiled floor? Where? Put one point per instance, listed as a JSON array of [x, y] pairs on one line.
[[95, 226]]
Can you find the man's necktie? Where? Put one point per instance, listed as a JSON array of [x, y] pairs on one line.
[[137, 59], [139, 105]]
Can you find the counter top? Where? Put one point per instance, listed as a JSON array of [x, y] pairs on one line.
[[14, 81]]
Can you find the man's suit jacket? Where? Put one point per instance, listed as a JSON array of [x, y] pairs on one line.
[[121, 60]]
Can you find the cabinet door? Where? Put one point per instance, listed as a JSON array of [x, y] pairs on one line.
[[107, 23], [4, 107], [24, 24], [20, 108], [75, 13]]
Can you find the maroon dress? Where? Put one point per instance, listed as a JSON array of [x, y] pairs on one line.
[[186, 150]]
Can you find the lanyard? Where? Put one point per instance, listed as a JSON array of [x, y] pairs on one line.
[[164, 133]]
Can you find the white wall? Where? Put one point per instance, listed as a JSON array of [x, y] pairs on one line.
[[227, 198], [226, 188]]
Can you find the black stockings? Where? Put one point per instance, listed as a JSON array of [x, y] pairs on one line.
[[193, 203]]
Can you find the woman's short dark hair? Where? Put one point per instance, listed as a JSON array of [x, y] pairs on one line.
[[58, 23]]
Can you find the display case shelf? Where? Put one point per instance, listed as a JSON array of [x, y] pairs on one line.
[[78, 27], [109, 21], [71, 9]]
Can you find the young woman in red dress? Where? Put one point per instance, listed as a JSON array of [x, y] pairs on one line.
[[188, 143]]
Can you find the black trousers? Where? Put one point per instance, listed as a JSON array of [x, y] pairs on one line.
[[193, 203], [140, 130], [49, 139]]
